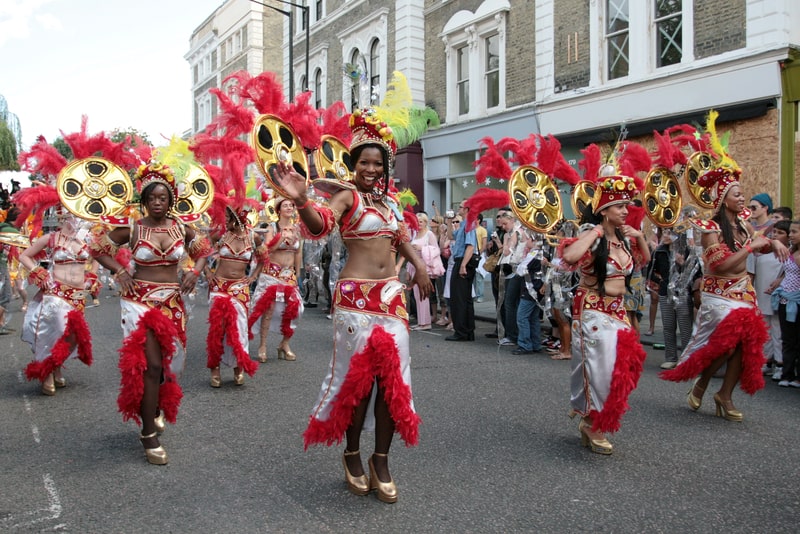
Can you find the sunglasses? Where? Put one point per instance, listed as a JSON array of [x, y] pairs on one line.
[[753, 207]]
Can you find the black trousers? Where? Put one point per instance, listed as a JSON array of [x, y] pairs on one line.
[[462, 311], [790, 343]]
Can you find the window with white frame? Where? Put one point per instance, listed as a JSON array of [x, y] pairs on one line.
[[668, 20], [617, 38], [318, 6], [492, 70], [462, 79], [204, 112], [318, 103], [638, 38], [475, 47], [375, 66]]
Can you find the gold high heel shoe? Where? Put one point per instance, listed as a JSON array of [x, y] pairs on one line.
[[727, 410], [238, 377], [216, 380], [157, 455], [262, 355], [160, 422], [695, 402], [356, 484], [387, 491], [597, 445], [49, 389], [286, 354], [60, 382]]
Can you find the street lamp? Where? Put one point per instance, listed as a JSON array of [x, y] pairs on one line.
[[290, 14]]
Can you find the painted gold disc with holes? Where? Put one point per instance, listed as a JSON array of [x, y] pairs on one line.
[[698, 164], [195, 191], [274, 141], [661, 197], [534, 199], [332, 159], [93, 187], [581, 197]]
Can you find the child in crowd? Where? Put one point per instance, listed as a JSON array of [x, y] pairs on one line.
[[785, 293]]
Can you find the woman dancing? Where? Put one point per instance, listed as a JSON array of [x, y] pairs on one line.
[[277, 299], [369, 380], [153, 316], [728, 329], [607, 357], [229, 299], [54, 324]]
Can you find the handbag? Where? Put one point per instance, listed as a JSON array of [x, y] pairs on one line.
[[491, 262], [433, 261], [474, 261]]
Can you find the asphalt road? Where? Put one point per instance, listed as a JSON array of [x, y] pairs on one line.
[[497, 452]]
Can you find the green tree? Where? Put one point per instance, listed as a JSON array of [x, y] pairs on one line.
[[8, 149], [118, 135]]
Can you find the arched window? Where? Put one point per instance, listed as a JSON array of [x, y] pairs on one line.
[[318, 89], [357, 60], [374, 65]]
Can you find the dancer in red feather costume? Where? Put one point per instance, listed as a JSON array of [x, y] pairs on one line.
[[728, 329]]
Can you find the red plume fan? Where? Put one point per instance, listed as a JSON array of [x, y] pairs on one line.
[[336, 122], [84, 146], [524, 151], [591, 162], [42, 158], [264, 91], [566, 172], [34, 200], [410, 219], [635, 216], [634, 159], [302, 117], [491, 163], [484, 199], [687, 136], [233, 120], [122, 154]]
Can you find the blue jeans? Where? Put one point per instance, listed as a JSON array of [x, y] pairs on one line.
[[529, 325]]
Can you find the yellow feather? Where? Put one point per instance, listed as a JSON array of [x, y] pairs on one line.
[[711, 127], [394, 109]]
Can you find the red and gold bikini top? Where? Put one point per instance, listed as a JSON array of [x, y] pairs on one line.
[[148, 253], [365, 222], [227, 251]]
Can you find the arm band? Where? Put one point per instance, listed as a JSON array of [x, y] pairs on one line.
[[39, 277], [401, 236], [716, 254], [200, 247], [102, 245], [328, 224]]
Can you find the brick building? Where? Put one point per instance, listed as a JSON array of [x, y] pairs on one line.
[[584, 70]]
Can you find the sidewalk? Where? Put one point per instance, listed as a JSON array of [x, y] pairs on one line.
[[485, 311]]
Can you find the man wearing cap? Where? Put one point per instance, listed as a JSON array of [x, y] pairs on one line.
[[764, 269]]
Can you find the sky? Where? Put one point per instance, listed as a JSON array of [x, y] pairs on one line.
[[121, 63]]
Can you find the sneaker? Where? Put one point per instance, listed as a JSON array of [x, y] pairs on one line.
[[768, 369], [795, 383], [505, 342], [776, 375], [669, 365], [784, 383]]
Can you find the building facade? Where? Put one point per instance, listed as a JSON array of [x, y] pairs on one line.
[[238, 35], [586, 70]]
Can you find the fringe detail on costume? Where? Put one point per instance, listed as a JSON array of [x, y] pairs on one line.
[[221, 325], [76, 324], [742, 326], [380, 358], [290, 312], [627, 370], [133, 364]]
